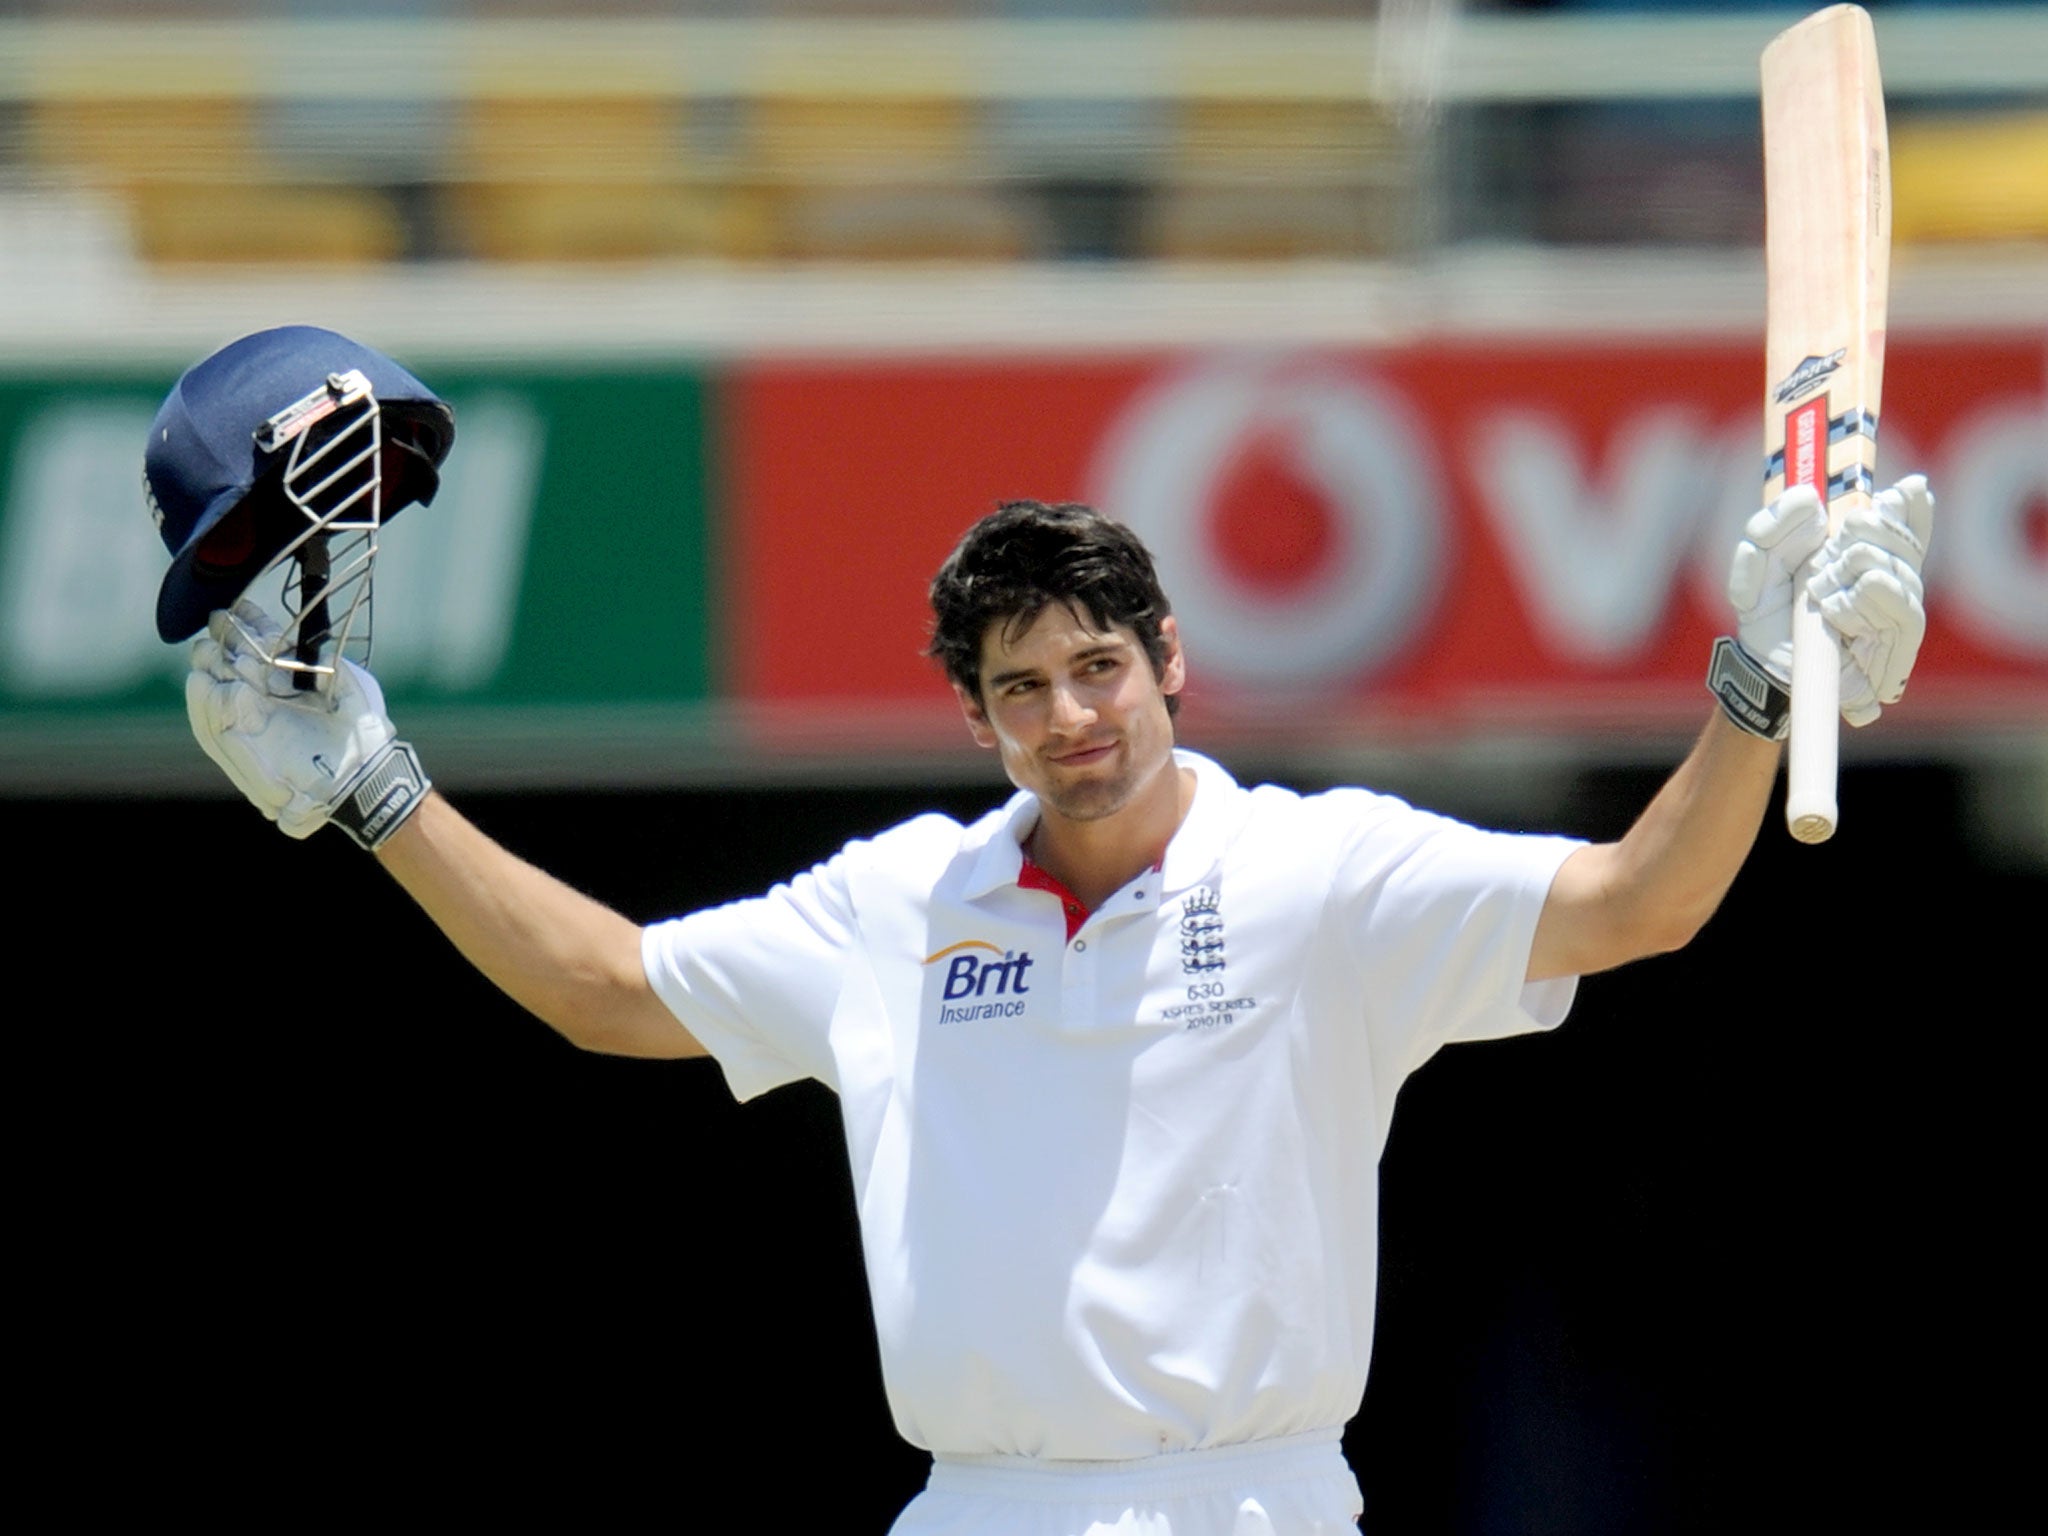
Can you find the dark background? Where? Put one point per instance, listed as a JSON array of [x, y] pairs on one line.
[[1742, 1246]]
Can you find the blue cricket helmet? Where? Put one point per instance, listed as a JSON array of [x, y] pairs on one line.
[[205, 457]]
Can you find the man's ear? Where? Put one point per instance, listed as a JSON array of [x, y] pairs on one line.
[[977, 718], [1173, 672]]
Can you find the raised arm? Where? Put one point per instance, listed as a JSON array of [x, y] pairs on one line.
[[1652, 891], [305, 759], [570, 961]]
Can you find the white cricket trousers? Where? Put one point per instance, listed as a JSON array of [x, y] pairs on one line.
[[1296, 1486]]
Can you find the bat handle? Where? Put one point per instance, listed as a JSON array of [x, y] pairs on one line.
[[1810, 810]]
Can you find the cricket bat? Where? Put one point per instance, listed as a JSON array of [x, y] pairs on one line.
[[1827, 261]]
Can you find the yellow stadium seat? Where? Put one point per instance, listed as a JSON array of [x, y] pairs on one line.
[[881, 138], [1979, 178], [1340, 142], [1265, 180], [877, 178], [192, 177], [602, 178], [122, 141], [601, 221], [244, 222], [631, 139]]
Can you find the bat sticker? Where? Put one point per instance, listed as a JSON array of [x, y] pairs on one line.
[[1854, 422], [1809, 373]]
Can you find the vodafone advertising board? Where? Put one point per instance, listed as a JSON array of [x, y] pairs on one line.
[[1457, 536]]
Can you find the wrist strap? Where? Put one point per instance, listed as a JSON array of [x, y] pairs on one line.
[[1750, 696], [377, 801]]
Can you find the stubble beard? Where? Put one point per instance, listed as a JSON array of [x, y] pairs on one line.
[[1089, 801], [1092, 798]]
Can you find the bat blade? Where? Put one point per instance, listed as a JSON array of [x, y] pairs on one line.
[[1827, 259]]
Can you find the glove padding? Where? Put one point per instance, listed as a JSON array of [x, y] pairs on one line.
[[1869, 590], [1866, 580], [295, 753]]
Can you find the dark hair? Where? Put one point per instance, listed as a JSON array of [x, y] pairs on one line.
[[1027, 555]]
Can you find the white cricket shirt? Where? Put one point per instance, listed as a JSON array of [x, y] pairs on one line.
[[1119, 1193]]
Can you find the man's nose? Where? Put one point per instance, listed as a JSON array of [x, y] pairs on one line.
[[1069, 710]]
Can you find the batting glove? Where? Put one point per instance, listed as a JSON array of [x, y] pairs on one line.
[[1870, 592], [1866, 581], [303, 758], [1776, 542]]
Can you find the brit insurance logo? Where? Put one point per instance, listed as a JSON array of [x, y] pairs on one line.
[[981, 981]]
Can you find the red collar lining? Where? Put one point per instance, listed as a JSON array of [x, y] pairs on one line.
[[1035, 877]]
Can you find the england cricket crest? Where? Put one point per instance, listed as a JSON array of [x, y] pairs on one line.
[[1201, 932]]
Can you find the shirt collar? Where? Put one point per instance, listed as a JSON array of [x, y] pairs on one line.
[[1195, 851], [1219, 809], [1001, 858]]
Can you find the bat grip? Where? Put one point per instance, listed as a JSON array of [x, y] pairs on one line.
[[1810, 774], [313, 618]]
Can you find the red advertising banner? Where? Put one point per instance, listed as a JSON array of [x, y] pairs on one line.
[[1465, 534]]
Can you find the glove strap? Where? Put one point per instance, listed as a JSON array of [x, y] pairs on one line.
[[1750, 696], [377, 800]]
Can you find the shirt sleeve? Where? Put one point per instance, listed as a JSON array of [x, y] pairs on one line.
[[1442, 917], [756, 981]]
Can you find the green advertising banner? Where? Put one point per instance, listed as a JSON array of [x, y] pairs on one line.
[[565, 565]]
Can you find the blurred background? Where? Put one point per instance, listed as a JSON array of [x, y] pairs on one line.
[[1422, 341]]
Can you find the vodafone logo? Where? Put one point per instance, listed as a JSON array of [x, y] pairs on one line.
[[1293, 510]]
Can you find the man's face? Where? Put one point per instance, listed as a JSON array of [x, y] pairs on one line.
[[1078, 715]]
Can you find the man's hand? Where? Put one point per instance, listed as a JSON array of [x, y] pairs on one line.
[[1869, 590], [1776, 542], [1867, 582], [302, 758]]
